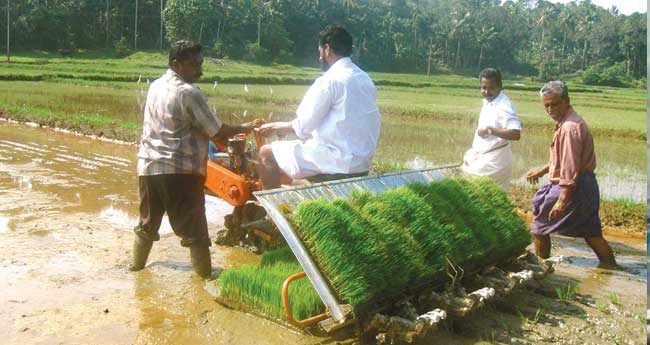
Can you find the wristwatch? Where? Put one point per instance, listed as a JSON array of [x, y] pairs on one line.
[[489, 131]]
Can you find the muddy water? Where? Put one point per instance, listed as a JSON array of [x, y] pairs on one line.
[[67, 205], [67, 208]]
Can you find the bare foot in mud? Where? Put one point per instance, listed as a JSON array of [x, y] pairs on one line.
[[616, 267]]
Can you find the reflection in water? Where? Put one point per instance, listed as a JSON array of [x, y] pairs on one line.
[[118, 217], [4, 225], [25, 182]]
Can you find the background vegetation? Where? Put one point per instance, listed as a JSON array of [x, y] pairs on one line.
[[525, 37]]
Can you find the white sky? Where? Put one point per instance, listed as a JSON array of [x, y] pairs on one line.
[[625, 7]]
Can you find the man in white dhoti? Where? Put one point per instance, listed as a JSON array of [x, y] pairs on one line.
[[498, 124], [338, 117]]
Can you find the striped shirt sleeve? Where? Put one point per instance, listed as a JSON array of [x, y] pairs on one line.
[[202, 116]]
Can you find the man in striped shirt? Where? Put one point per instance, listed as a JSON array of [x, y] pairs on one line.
[[178, 124]]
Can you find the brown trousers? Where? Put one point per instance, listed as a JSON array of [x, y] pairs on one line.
[[182, 197]]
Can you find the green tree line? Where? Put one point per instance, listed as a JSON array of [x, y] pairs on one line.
[[526, 37]]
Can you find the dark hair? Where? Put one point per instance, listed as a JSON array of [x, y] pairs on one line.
[[338, 39], [183, 50], [491, 74]]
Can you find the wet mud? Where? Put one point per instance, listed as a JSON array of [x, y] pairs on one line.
[[67, 207]]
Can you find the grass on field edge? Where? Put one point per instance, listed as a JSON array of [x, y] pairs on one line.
[[88, 124]]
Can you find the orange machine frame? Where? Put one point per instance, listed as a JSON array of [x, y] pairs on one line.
[[236, 189]]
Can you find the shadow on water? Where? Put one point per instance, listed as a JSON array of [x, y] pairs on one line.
[[174, 265]]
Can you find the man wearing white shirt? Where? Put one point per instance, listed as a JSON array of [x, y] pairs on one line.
[[338, 117], [498, 124]]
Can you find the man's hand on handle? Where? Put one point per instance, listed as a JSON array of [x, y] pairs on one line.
[[249, 126], [228, 131], [279, 128]]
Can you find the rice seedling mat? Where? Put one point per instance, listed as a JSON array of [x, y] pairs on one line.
[[277, 200]]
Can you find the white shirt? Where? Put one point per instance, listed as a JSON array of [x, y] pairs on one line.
[[177, 126], [498, 113], [339, 112]]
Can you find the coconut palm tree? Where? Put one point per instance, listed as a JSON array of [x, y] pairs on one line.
[[484, 38], [458, 30]]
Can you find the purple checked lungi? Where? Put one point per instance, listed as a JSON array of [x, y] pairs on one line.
[[581, 218]]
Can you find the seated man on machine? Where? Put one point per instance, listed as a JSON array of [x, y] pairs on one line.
[[339, 113]]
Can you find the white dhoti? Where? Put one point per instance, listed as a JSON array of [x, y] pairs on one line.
[[496, 164], [300, 160]]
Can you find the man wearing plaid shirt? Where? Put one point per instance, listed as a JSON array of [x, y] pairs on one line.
[[178, 124]]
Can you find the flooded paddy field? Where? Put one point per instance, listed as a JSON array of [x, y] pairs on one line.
[[421, 127], [68, 205]]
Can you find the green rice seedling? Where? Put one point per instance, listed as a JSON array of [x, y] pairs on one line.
[[567, 293], [406, 254], [283, 254], [374, 252], [334, 235], [358, 198], [261, 288], [602, 306], [463, 246], [613, 297], [411, 211], [463, 207], [375, 248], [497, 213], [535, 318]]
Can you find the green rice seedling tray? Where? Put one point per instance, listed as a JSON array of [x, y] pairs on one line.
[[366, 241]]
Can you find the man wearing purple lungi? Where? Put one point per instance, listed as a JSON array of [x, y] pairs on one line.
[[568, 205]]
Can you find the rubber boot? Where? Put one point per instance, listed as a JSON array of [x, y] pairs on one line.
[[141, 249], [201, 260]]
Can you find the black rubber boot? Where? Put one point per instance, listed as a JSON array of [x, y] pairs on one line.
[[141, 249], [201, 260]]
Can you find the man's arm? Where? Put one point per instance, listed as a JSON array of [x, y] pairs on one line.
[[226, 131], [533, 175], [508, 134], [310, 113], [314, 107], [279, 128]]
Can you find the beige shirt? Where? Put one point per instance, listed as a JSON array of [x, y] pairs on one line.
[[178, 124], [572, 150]]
